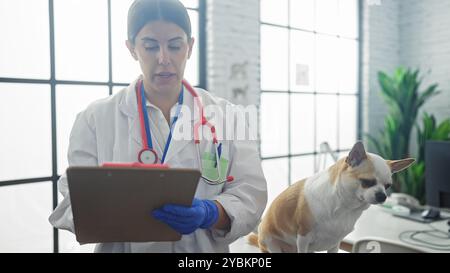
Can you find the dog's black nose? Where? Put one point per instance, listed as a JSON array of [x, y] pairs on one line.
[[380, 197]]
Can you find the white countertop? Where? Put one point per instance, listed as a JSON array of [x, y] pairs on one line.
[[376, 222]]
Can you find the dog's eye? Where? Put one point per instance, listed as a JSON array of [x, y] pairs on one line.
[[387, 186], [367, 183]]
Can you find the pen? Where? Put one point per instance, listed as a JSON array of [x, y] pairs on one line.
[[219, 153]]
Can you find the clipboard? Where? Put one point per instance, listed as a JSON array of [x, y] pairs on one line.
[[114, 203]]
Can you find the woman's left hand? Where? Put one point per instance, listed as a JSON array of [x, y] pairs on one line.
[[202, 214]]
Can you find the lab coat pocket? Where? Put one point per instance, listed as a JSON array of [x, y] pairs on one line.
[[211, 172]]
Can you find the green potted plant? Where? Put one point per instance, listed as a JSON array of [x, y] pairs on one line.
[[404, 99]]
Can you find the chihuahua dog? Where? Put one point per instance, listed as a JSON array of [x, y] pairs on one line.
[[316, 213]]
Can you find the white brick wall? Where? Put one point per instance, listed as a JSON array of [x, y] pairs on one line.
[[411, 33], [381, 43], [233, 50], [425, 44]]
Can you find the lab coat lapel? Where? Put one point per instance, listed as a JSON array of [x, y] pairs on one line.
[[205, 135], [128, 106], [177, 146]]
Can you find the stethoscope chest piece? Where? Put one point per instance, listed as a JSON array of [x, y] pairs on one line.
[[147, 156]]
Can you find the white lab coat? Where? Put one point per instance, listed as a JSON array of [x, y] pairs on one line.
[[109, 131]]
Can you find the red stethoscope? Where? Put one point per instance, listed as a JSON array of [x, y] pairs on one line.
[[148, 154]]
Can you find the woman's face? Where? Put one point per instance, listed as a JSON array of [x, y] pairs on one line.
[[162, 49]]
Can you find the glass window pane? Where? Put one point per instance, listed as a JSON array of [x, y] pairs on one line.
[[327, 64], [348, 66], [302, 61], [274, 11], [348, 18], [81, 40], [301, 167], [327, 16], [25, 46], [68, 242], [125, 68], [324, 160], [117, 89], [347, 121], [276, 174], [192, 67], [343, 154], [190, 3], [25, 126], [274, 58], [25, 210], [326, 122], [70, 100], [274, 124], [302, 14], [302, 123]]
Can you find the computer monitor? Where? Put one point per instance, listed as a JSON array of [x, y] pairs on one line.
[[437, 173]]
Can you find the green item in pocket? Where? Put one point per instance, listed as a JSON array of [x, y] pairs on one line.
[[210, 170]]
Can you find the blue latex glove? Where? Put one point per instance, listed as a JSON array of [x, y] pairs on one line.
[[185, 220]]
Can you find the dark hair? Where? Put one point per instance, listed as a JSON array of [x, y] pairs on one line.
[[142, 12]]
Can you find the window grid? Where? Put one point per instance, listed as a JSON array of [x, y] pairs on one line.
[[289, 156], [201, 10]]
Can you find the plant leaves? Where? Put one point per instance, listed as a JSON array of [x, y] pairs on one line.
[[403, 96]]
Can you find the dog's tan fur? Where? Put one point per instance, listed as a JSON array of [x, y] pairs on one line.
[[290, 204], [290, 215]]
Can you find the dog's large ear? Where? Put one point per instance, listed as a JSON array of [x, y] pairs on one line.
[[399, 165], [356, 155]]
